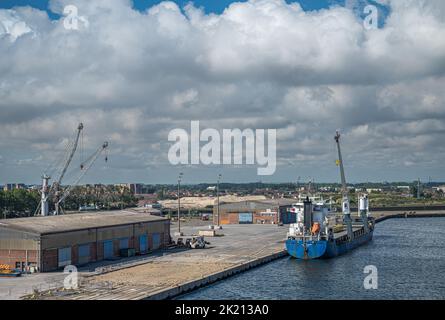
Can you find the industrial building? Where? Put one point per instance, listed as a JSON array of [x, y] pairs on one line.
[[255, 212], [52, 242]]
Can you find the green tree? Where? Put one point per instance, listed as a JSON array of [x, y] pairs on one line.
[[18, 203]]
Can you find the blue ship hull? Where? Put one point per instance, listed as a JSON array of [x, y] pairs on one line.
[[319, 249]]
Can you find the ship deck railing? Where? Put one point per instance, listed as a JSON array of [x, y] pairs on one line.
[[309, 237]]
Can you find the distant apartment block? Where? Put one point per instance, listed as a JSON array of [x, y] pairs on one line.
[[12, 186], [135, 188]]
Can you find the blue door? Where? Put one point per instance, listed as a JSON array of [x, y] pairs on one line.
[[156, 240], [143, 243], [245, 218], [84, 253], [123, 243], [108, 249], [64, 256]]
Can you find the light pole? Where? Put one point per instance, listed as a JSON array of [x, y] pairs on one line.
[[217, 198], [418, 188], [179, 202]]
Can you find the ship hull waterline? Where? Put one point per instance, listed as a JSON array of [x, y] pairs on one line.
[[324, 249]]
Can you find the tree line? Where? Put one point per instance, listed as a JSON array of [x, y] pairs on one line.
[[105, 197], [19, 203]]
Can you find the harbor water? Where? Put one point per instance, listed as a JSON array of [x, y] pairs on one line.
[[409, 255]]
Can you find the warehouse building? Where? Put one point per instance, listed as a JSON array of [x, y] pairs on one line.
[[52, 242], [255, 212]]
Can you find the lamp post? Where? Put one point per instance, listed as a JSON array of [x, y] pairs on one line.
[[179, 202], [217, 198]]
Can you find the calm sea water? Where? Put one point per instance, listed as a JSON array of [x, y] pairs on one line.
[[409, 255]]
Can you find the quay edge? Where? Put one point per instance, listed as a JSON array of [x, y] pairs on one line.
[[195, 284]]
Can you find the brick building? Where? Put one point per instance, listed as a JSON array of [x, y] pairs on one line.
[[50, 243], [255, 212]]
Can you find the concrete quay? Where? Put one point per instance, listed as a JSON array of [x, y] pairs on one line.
[[385, 215], [176, 272]]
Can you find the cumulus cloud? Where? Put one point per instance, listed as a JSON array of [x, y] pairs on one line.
[[12, 25], [132, 76]]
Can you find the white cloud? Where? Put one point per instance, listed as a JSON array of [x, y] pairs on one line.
[[11, 25], [132, 76]]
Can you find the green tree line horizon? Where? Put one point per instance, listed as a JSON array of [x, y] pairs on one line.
[[18, 203]]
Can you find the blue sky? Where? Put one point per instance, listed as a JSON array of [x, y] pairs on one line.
[[216, 6], [210, 6]]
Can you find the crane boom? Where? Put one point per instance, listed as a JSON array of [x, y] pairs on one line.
[[86, 166], [48, 192], [345, 201], [342, 169], [71, 155]]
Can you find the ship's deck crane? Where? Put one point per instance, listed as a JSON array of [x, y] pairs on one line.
[[344, 188]]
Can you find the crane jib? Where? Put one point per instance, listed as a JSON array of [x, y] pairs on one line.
[[73, 150], [86, 166], [54, 192], [340, 163]]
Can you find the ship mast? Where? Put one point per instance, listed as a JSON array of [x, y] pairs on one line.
[[345, 202]]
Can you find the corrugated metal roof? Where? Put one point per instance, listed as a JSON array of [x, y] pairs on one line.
[[80, 221], [243, 206], [280, 201], [256, 205]]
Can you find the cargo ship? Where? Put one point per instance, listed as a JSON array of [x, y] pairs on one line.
[[321, 232]]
